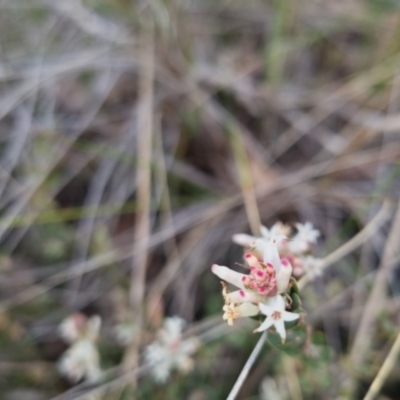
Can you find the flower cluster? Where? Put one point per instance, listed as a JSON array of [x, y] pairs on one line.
[[81, 360], [266, 289], [295, 248], [170, 351]]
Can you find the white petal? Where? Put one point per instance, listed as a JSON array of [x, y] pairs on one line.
[[265, 325], [298, 245], [243, 240], [248, 310], [260, 245], [279, 303], [280, 328], [271, 255], [228, 275], [289, 316], [283, 277], [266, 310], [241, 296], [264, 232]]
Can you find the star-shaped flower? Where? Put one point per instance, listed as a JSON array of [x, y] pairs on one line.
[[305, 237], [82, 359], [312, 267], [279, 232], [276, 314], [307, 232], [170, 351]]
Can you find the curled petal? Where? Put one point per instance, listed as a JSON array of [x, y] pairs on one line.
[[241, 296], [283, 276], [248, 310], [228, 275], [252, 261], [244, 240], [271, 255]]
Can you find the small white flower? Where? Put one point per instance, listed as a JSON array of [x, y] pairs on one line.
[[306, 235], [78, 326], [169, 351], [125, 332], [307, 232], [277, 232], [81, 361], [312, 267], [276, 316], [70, 328]]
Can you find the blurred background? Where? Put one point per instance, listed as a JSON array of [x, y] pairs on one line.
[[136, 137]]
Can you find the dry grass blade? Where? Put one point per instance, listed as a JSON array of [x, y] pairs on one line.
[[364, 334], [245, 178], [143, 177], [390, 362]]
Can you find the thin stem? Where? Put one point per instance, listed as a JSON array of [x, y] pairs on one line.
[[384, 372], [247, 367]]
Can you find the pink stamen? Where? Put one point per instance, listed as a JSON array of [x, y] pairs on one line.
[[242, 293], [262, 290], [270, 270]]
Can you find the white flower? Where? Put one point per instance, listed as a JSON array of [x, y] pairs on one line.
[[306, 235], [265, 280], [70, 328], [77, 326], [278, 232], [312, 267], [125, 332], [169, 351], [276, 316], [307, 232], [81, 361]]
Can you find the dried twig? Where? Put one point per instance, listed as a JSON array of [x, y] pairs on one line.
[[364, 335], [385, 370], [142, 226]]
